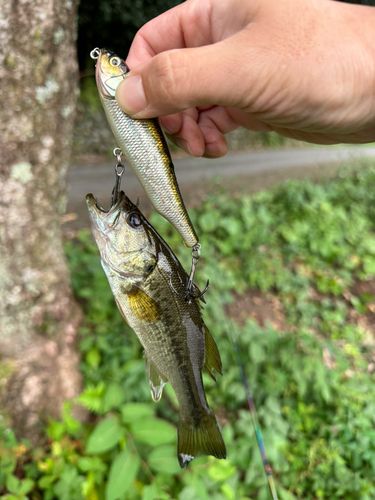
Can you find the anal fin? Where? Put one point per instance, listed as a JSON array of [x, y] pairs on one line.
[[155, 380], [212, 360]]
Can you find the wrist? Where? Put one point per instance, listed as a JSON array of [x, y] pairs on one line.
[[361, 21]]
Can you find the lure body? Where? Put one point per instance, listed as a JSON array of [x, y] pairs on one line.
[[149, 284], [145, 148]]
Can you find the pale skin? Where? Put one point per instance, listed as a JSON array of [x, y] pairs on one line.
[[303, 68]]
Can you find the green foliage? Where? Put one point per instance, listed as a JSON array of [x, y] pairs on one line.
[[311, 246], [105, 436], [123, 471]]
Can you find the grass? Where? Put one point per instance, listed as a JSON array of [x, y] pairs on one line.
[[300, 257]]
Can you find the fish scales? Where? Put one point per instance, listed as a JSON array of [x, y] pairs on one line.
[[166, 340], [145, 148], [152, 165], [149, 286]]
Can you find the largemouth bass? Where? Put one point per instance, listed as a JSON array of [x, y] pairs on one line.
[[149, 286], [144, 146]]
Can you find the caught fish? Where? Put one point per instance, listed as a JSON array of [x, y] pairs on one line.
[[146, 150], [149, 286]]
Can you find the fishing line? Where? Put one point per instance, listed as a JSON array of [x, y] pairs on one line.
[[254, 417]]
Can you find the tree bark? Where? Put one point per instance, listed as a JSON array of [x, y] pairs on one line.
[[38, 316]]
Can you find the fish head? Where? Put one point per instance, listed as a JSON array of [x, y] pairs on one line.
[[122, 235], [110, 71]]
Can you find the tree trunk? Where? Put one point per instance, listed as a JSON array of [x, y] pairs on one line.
[[38, 316]]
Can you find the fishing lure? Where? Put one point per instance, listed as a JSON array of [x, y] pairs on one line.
[[146, 150]]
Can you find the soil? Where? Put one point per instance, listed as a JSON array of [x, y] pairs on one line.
[[267, 309], [264, 308]]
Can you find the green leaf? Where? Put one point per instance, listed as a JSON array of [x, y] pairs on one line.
[[133, 412], [92, 397], [150, 492], [122, 473], [87, 464], [163, 459], [93, 357], [221, 470], [369, 265], [153, 431], [105, 436], [113, 397], [55, 430], [209, 220], [26, 486], [45, 482], [13, 484]]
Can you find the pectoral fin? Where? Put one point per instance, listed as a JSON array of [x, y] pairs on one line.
[[155, 379], [143, 306], [212, 360]]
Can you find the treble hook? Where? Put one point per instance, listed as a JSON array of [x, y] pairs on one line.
[[192, 291], [119, 170]]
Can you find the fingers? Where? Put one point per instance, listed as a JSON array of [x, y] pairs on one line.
[[183, 78], [171, 123], [189, 136], [191, 24], [186, 25], [200, 133]]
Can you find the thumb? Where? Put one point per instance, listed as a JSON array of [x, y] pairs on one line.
[[178, 79]]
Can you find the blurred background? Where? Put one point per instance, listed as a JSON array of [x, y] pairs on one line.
[[287, 230]]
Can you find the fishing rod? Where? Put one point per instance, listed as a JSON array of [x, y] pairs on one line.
[[254, 418]]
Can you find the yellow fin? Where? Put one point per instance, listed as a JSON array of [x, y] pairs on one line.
[[143, 306], [212, 360]]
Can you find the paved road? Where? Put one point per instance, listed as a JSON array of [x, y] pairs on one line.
[[245, 171]]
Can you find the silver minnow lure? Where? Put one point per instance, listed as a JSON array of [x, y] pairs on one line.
[[144, 147]]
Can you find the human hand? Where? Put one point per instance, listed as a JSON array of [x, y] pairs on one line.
[[304, 68]]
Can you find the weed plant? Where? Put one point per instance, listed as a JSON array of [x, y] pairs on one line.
[[309, 246]]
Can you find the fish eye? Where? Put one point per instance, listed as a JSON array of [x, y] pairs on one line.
[[134, 219], [115, 61]]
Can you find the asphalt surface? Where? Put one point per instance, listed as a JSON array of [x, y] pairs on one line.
[[240, 172]]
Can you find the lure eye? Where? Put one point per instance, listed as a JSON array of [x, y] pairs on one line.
[[134, 220], [115, 61]]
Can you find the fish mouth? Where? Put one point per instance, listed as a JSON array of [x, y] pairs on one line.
[[94, 207]]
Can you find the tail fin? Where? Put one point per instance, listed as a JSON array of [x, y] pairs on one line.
[[202, 439]]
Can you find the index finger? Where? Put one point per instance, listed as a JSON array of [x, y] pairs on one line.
[[186, 25]]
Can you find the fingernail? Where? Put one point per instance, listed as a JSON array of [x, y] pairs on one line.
[[131, 96]]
